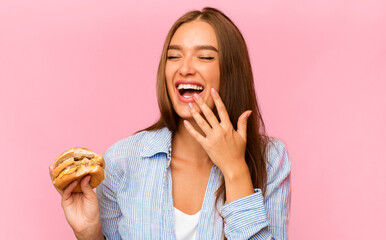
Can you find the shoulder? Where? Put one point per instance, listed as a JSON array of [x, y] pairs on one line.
[[278, 158], [134, 145], [136, 142]]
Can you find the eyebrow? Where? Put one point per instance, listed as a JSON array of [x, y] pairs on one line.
[[200, 47]]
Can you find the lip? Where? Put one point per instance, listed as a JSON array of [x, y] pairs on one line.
[[189, 99]]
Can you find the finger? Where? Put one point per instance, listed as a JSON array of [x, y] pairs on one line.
[[199, 138], [86, 187], [68, 190], [242, 124], [208, 113], [221, 109], [60, 192], [202, 123], [51, 170]]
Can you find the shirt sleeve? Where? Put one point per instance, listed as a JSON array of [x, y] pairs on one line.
[[258, 217], [110, 212]]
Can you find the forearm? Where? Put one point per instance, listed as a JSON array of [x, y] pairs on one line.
[[247, 217], [238, 182]]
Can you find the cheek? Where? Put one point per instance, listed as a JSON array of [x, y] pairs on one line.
[[213, 75], [169, 77], [167, 72], [170, 90], [170, 72]]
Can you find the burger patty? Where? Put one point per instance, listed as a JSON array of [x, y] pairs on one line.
[[76, 167], [76, 157]]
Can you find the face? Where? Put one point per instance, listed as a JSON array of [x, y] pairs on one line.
[[192, 66]]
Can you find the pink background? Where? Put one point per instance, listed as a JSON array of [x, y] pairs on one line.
[[82, 73]]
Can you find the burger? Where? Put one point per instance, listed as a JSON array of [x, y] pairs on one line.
[[76, 163]]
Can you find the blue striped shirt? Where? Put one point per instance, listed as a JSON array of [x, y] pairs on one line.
[[136, 200]]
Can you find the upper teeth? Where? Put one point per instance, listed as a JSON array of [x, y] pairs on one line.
[[189, 86]]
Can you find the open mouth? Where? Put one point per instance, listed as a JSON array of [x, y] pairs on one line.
[[188, 90]]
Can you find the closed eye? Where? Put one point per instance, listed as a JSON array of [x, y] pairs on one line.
[[207, 58], [171, 57]]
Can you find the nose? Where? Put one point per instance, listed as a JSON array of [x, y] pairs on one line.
[[187, 66]]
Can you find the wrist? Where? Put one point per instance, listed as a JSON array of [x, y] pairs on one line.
[[237, 170], [238, 182], [94, 233]]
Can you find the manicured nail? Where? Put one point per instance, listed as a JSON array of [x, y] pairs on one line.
[[213, 91], [190, 105], [186, 123], [196, 96]]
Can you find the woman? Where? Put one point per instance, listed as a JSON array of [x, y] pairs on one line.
[[205, 169]]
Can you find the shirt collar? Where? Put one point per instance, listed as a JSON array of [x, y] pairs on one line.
[[157, 142]]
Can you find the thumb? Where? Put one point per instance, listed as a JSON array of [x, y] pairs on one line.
[[242, 124], [86, 187]]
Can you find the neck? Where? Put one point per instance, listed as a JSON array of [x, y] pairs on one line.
[[184, 146]]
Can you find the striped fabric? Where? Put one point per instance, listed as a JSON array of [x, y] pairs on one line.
[[136, 199]]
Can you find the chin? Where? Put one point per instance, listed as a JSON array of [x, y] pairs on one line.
[[185, 115]]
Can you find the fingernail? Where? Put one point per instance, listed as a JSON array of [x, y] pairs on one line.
[[190, 105], [213, 91], [186, 122], [196, 96]]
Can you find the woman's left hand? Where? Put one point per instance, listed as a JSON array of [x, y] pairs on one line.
[[224, 145]]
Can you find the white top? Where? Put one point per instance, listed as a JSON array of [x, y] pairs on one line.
[[185, 225]]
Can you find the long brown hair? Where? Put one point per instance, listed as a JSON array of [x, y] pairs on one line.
[[236, 90]]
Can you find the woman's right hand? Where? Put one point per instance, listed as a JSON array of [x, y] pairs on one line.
[[81, 209]]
